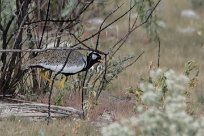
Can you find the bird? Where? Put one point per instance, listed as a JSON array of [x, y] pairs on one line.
[[54, 60]]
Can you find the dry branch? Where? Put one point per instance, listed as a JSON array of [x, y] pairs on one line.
[[30, 109]]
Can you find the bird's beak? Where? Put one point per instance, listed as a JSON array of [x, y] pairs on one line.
[[101, 61]]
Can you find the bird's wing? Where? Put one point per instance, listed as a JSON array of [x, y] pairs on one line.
[[55, 59]]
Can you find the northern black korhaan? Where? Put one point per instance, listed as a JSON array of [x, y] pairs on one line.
[[54, 60]]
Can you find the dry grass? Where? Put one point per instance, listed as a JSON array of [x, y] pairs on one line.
[[176, 50], [22, 127]]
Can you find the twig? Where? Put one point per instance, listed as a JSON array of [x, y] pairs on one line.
[[129, 18], [97, 42], [49, 20], [48, 9], [82, 94], [103, 80], [89, 48], [107, 25], [159, 51], [133, 29], [49, 99], [135, 60], [42, 50]]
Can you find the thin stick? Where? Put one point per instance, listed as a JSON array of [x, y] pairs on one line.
[[123, 39], [107, 25], [82, 95], [97, 42], [159, 51], [89, 48], [42, 50], [104, 80], [135, 60], [129, 18], [48, 9], [49, 99]]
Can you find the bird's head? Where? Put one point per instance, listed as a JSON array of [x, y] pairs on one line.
[[94, 56]]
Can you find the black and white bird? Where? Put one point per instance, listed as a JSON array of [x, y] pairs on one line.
[[54, 60]]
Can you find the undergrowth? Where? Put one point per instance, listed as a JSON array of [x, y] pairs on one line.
[[162, 110]]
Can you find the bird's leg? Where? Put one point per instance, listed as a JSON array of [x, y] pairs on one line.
[[43, 75], [61, 84]]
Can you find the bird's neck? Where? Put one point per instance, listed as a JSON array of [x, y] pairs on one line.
[[89, 64]]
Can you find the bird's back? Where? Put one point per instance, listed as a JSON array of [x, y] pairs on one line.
[[55, 60]]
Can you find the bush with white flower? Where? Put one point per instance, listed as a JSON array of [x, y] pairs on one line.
[[163, 110]]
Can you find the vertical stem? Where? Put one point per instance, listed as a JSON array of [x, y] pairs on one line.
[[82, 95], [100, 88], [159, 51], [45, 25], [49, 99], [129, 18], [0, 10]]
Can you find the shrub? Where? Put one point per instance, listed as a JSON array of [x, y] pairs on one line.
[[159, 114]]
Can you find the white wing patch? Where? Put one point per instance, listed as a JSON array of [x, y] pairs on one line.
[[66, 69]]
